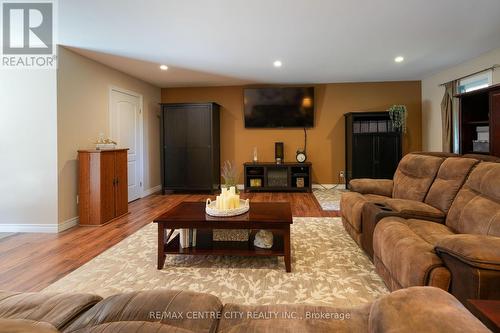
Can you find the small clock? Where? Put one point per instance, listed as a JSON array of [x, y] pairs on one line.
[[301, 156]]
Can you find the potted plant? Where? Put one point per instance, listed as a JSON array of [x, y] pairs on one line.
[[230, 175], [398, 114]]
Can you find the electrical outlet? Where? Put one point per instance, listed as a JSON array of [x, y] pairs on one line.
[[341, 174]]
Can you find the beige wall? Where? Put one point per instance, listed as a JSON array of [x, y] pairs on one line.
[[326, 140], [432, 94], [83, 90], [28, 140]]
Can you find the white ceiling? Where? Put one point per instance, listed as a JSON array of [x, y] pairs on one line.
[[224, 42]]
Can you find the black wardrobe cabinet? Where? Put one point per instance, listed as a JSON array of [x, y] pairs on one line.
[[372, 145], [190, 146]]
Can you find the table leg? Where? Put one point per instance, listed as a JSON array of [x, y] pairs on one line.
[[161, 245], [288, 257]]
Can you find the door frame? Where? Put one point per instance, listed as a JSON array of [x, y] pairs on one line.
[[141, 156]]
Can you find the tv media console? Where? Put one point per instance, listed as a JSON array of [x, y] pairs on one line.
[[270, 176]]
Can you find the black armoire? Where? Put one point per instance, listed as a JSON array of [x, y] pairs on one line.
[[190, 146], [372, 145]]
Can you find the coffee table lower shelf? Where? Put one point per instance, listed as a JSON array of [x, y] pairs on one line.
[[246, 249]]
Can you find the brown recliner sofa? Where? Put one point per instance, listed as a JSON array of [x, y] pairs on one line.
[[462, 255], [424, 186], [418, 309]]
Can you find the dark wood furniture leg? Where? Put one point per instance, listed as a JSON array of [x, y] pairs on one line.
[[161, 245], [288, 257]]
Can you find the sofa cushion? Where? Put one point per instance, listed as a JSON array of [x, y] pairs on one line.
[[292, 318], [56, 309], [421, 309], [414, 176], [476, 208], [169, 307], [25, 326], [409, 258], [412, 208], [450, 178], [429, 231], [133, 327]]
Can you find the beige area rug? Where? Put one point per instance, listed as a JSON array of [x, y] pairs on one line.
[[328, 268], [329, 199]]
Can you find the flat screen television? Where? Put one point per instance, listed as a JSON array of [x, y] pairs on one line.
[[279, 107]]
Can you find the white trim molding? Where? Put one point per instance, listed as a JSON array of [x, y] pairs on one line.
[[314, 186], [329, 186], [43, 228], [70, 223], [51, 228], [150, 191]]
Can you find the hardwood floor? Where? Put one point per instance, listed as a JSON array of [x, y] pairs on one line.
[[31, 262]]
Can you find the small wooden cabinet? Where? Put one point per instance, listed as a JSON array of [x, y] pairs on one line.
[[103, 188]]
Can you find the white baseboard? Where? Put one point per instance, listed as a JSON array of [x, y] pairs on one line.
[[44, 228], [322, 186], [314, 186], [151, 190], [40, 228], [65, 225]]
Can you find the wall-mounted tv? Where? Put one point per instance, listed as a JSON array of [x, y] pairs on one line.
[[279, 107]]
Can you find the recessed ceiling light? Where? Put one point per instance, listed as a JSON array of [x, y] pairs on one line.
[[399, 59], [277, 63], [163, 67]]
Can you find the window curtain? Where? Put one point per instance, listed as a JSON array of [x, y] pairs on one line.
[[448, 107]]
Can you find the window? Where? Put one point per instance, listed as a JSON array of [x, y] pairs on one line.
[[478, 81]]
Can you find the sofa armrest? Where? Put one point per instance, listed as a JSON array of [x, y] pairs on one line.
[[411, 209], [372, 186], [475, 250], [421, 309]]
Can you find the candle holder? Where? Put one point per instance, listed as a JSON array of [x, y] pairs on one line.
[[212, 210]]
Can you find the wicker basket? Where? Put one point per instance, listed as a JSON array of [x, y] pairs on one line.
[[212, 211]]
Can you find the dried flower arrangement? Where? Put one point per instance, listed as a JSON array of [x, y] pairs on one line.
[[230, 174]]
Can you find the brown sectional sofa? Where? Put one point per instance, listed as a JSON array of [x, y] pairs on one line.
[[418, 309], [449, 237], [423, 187]]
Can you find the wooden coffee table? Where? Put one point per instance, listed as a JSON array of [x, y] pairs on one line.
[[275, 217]]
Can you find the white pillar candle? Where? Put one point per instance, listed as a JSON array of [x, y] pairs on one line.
[[225, 203], [217, 202], [232, 190], [224, 192], [236, 201]]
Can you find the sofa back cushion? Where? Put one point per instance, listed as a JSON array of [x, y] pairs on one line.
[[451, 176], [414, 176], [476, 209]]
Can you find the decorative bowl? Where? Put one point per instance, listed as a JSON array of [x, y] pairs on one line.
[[212, 211]]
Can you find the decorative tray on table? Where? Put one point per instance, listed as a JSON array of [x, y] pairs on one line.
[[212, 210]]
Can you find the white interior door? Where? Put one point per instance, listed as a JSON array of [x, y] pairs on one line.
[[126, 122]]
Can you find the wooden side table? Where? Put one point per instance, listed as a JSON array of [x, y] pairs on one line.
[[488, 311]]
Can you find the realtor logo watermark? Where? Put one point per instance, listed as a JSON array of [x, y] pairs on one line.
[[28, 35]]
